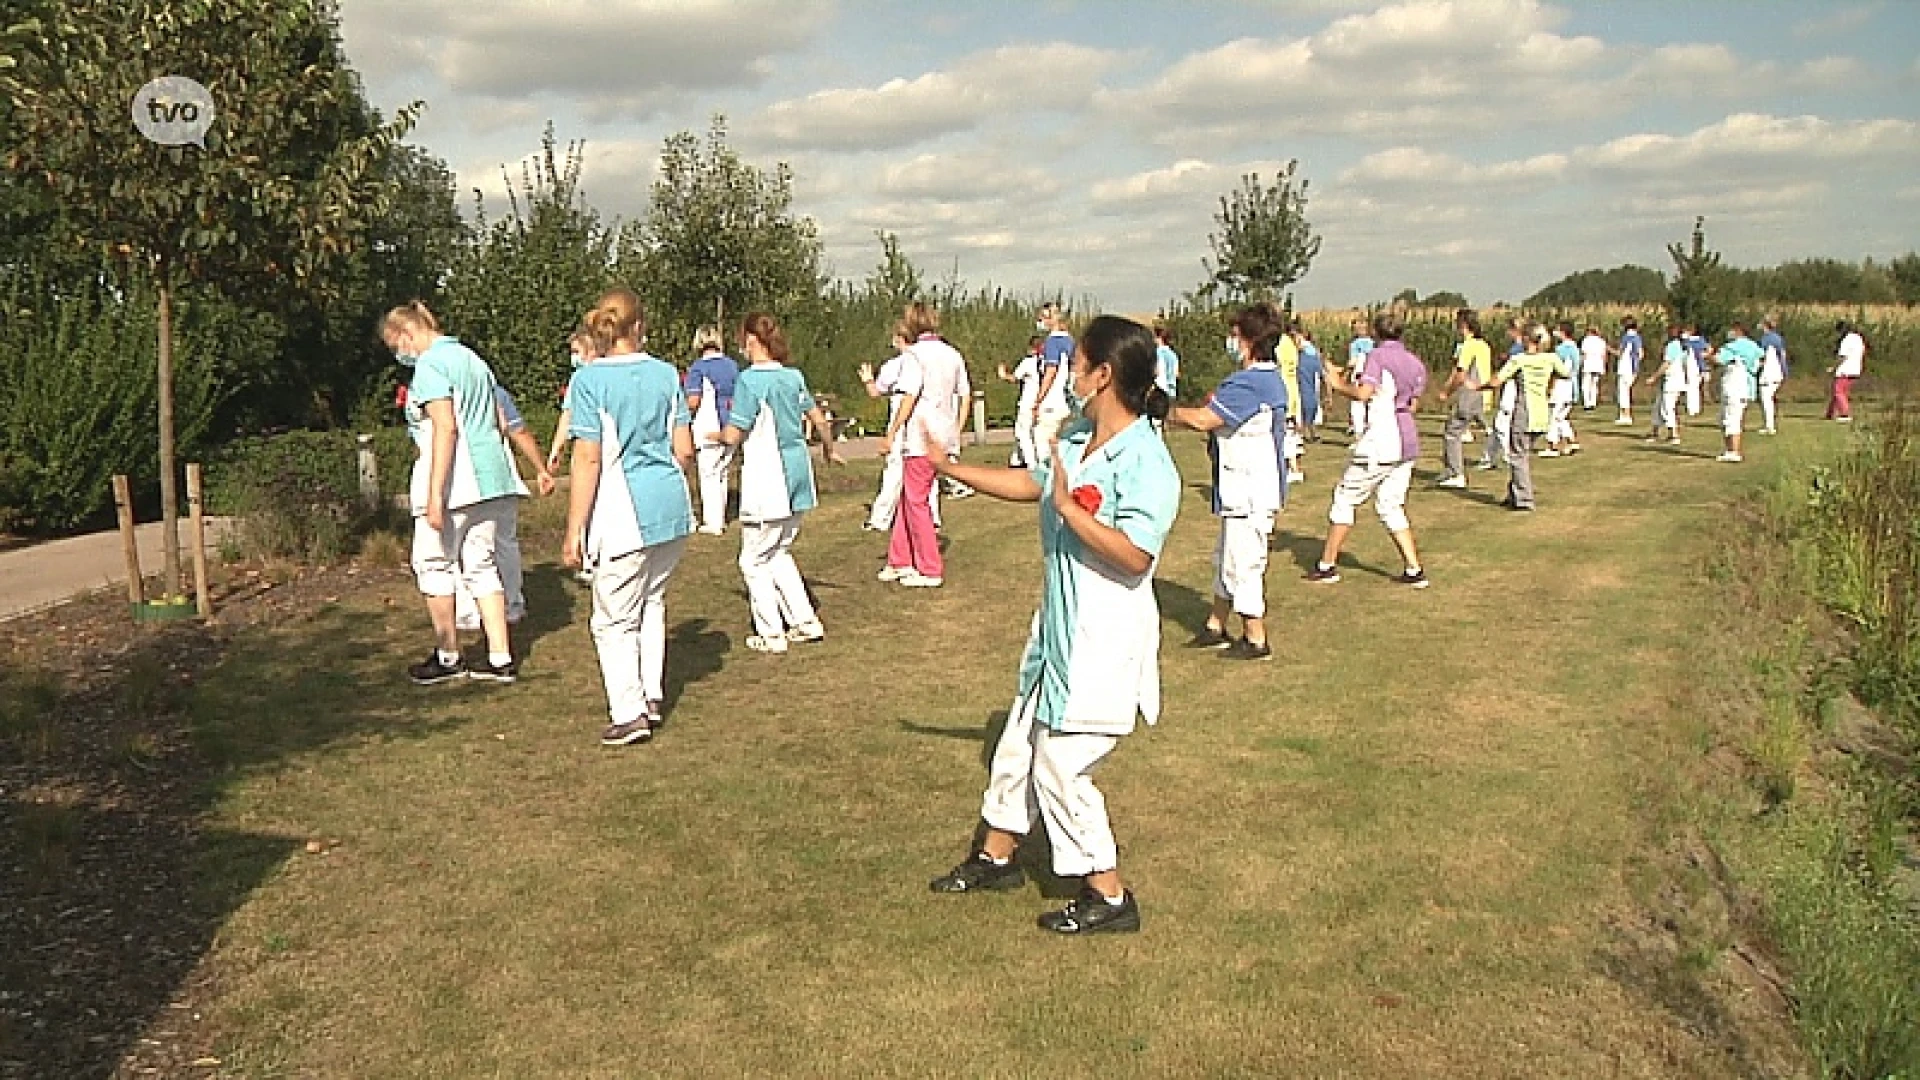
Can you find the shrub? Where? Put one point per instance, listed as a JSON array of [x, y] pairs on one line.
[[78, 397], [296, 495]]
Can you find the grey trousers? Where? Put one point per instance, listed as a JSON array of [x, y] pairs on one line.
[[1520, 455], [1468, 406]]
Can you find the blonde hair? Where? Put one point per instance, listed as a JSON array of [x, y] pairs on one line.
[[1539, 336], [587, 344], [617, 317], [920, 318], [412, 315], [707, 337]]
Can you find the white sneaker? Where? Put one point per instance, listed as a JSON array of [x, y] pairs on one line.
[[1454, 482], [1296, 477], [894, 573], [1572, 449], [1729, 457], [713, 530], [806, 633], [1768, 431], [1466, 438], [1623, 421], [1547, 453], [913, 579], [773, 646]]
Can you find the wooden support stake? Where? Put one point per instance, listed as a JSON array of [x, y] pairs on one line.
[[203, 600], [979, 418], [123, 506]]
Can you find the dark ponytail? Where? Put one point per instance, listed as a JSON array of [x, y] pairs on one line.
[[1130, 350]]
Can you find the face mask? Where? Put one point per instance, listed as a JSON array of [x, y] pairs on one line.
[[577, 361], [1233, 346], [1040, 325], [1077, 398], [405, 358]]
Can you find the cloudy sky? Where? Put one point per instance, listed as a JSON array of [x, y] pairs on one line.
[[1485, 146]]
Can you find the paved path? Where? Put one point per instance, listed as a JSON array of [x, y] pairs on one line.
[[38, 577], [43, 575]]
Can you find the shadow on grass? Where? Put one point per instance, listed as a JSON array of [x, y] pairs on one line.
[[552, 599], [114, 885], [694, 652]]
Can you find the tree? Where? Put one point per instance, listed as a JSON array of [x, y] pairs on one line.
[[284, 186], [720, 236], [1628, 284], [1264, 243], [1445, 298], [1905, 272], [896, 281], [1698, 295], [521, 286]]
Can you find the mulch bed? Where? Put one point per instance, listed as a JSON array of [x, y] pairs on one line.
[[103, 809]]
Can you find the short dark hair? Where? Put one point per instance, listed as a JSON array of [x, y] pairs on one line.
[[1388, 326], [1259, 325], [1468, 319]]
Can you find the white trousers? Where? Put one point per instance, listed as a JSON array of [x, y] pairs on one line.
[[506, 556], [1590, 389], [893, 485], [1693, 398], [1356, 415], [1623, 393], [1666, 414], [1240, 563], [1038, 769], [1386, 485], [1023, 438], [715, 462], [465, 552], [1046, 428], [774, 589], [1768, 406], [1733, 415], [629, 627], [1560, 429]]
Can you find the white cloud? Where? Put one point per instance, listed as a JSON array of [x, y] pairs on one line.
[[1753, 136], [969, 175], [1013, 79], [1836, 21], [1422, 67], [1412, 166], [612, 57]]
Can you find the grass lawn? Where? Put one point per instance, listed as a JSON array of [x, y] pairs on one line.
[[1407, 846]]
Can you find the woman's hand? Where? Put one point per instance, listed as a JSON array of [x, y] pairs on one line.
[[570, 551], [545, 483], [866, 373]]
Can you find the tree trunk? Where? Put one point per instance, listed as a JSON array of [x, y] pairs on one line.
[[169, 488]]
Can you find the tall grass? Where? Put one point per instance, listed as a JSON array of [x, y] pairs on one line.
[[1827, 566]]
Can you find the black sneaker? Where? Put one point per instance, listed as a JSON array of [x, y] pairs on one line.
[[1211, 637], [482, 670], [1413, 579], [431, 672], [1323, 575], [638, 731], [1247, 650], [1091, 914], [980, 873]]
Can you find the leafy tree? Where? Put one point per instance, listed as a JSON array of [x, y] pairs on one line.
[[1405, 298], [720, 236], [519, 289], [1629, 284], [1445, 298], [1905, 272], [896, 281], [1698, 295], [285, 185], [1265, 243]]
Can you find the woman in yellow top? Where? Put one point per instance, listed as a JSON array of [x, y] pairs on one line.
[[1535, 370]]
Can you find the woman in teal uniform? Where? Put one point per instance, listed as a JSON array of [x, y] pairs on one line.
[[1108, 495]]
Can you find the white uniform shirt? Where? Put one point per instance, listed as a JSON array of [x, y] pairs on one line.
[[1593, 355], [938, 375], [1853, 356]]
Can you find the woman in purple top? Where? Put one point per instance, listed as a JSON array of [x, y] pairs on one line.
[[1381, 468]]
